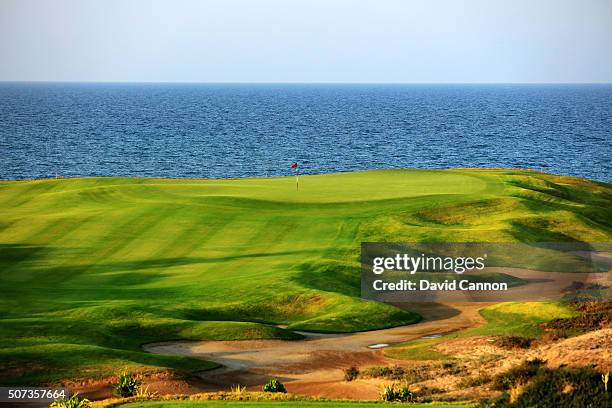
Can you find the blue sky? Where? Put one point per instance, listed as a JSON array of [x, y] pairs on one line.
[[307, 41]]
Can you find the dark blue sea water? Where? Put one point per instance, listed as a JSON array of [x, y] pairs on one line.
[[189, 130]]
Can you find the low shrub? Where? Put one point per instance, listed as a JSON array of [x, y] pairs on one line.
[[516, 375], [447, 365], [411, 375], [591, 316], [451, 367], [396, 393], [74, 401], [469, 382], [387, 372], [555, 335], [563, 387], [127, 385], [351, 374], [514, 342], [424, 393], [273, 385]]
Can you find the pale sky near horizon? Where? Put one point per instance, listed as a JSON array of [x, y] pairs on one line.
[[414, 41]]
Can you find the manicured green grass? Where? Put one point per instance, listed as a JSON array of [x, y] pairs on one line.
[[282, 404], [93, 268], [503, 319], [420, 349], [518, 318]]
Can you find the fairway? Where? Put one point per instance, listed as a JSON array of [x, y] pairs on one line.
[[93, 268]]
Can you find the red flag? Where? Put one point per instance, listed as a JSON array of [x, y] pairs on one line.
[[294, 166]]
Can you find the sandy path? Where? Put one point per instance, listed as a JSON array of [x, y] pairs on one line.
[[314, 366]]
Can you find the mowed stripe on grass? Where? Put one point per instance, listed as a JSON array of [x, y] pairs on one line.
[[95, 267]]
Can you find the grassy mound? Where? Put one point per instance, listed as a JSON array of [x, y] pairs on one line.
[[93, 268], [532, 384], [523, 319]]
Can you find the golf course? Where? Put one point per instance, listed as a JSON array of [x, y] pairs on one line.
[[92, 269]]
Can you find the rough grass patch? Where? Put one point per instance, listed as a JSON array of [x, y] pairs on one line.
[[474, 381], [513, 342], [409, 375], [74, 401], [591, 316], [452, 367], [552, 388], [521, 374]]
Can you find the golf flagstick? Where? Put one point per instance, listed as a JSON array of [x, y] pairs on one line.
[[297, 175]]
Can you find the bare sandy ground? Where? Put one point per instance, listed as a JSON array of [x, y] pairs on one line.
[[314, 366], [590, 349]]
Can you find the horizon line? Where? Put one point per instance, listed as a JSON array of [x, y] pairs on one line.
[[297, 82]]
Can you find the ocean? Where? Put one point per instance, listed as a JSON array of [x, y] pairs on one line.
[[247, 130]]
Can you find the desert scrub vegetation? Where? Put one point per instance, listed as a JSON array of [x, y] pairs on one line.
[[238, 389], [273, 385], [143, 392], [474, 381], [396, 393], [535, 385], [524, 319], [591, 315], [127, 385], [351, 373], [514, 342], [386, 372], [74, 401], [408, 375], [517, 375], [401, 392], [453, 367]]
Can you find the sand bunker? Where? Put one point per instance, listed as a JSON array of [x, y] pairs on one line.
[[378, 346], [315, 365]]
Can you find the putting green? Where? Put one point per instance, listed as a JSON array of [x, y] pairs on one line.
[[92, 268]]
